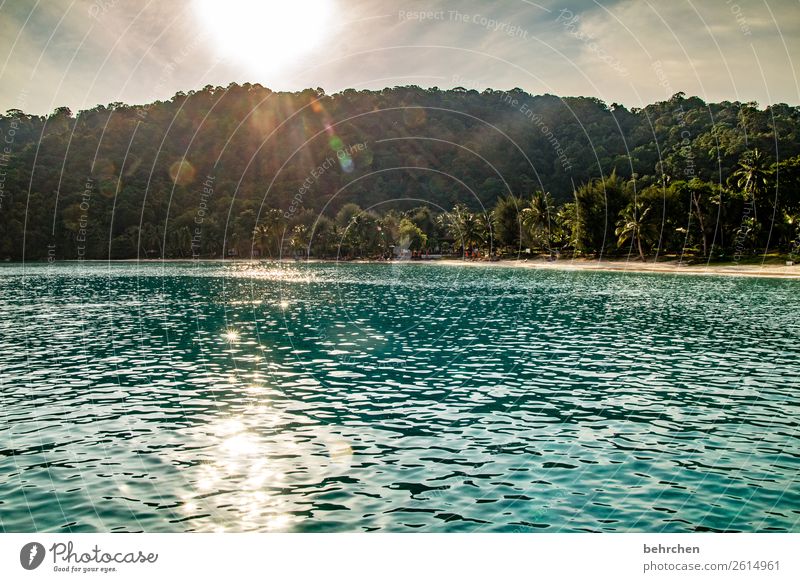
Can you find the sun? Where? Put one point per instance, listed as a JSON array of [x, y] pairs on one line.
[[268, 36]]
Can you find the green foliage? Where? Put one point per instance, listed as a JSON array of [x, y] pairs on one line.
[[244, 171], [539, 220], [507, 224], [410, 236], [635, 226], [598, 203], [467, 229]]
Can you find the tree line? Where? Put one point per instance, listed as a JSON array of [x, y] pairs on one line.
[[608, 216], [244, 171]]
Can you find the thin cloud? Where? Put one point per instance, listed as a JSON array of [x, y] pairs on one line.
[[720, 51]]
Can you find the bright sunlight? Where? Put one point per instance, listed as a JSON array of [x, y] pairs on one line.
[[265, 37]]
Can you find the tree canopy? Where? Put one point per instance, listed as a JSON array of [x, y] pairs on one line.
[[242, 171]]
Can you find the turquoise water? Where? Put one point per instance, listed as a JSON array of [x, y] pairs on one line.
[[414, 397]]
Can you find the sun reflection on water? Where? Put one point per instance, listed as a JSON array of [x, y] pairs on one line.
[[250, 460], [272, 272], [231, 336]]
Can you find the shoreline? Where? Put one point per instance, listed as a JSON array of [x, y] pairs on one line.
[[774, 271], [635, 266]]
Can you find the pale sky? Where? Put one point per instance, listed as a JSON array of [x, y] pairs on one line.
[[83, 52]]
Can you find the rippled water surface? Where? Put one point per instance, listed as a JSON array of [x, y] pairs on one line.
[[414, 397]]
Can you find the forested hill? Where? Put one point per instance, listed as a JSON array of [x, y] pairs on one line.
[[125, 181]]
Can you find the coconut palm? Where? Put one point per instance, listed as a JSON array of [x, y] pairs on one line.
[[567, 224], [538, 217], [180, 240], [269, 232], [465, 227], [752, 176], [635, 227], [299, 240]]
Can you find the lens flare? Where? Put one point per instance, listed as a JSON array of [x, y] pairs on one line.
[[182, 173]]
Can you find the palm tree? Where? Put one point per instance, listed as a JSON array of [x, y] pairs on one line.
[[633, 226], [465, 227], [299, 240], [261, 235], [567, 223], [269, 232], [179, 241], [701, 196], [537, 218], [752, 176]]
